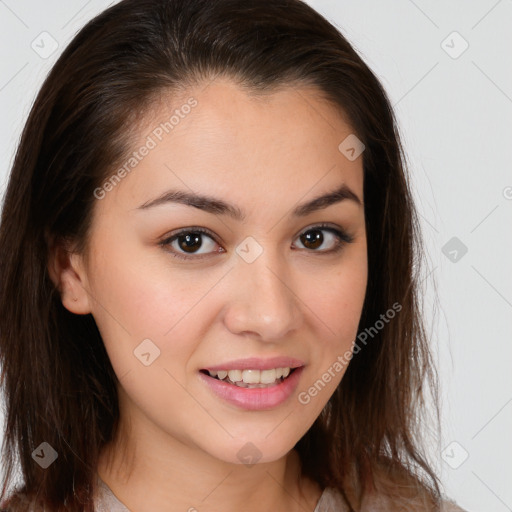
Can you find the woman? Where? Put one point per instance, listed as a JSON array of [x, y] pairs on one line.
[[208, 288]]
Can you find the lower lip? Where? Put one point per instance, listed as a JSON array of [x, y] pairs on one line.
[[255, 399]]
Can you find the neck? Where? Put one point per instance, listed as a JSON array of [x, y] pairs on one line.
[[152, 473]]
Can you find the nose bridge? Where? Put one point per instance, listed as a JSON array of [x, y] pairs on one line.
[[265, 301]]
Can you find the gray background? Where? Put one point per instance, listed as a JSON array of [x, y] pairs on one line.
[[454, 108]]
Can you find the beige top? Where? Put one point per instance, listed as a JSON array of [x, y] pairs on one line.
[[330, 501]]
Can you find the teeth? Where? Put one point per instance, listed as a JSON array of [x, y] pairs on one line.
[[267, 376], [235, 375], [251, 376], [243, 378]]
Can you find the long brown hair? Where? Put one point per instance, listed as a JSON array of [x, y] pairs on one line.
[[59, 385]]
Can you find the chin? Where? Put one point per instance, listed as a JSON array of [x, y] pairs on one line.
[[250, 451]]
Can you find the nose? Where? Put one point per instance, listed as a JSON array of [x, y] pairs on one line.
[[263, 300]]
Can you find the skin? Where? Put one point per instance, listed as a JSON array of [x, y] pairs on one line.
[[178, 442]]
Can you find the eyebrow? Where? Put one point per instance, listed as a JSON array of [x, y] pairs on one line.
[[219, 207]]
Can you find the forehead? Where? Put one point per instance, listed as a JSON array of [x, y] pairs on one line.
[[227, 113], [220, 138]]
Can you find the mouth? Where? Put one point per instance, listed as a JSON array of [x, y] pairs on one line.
[[251, 378], [253, 389]]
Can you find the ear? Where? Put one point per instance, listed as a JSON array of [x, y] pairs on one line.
[[67, 272]]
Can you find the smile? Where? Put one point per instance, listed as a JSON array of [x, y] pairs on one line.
[[253, 389], [251, 378]]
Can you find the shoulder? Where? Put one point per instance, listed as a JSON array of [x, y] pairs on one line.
[[332, 500], [393, 488], [105, 500], [450, 506], [418, 503]]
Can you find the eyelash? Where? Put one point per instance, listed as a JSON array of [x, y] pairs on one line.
[[342, 238]]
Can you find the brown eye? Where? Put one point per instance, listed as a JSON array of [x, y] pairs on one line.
[[190, 241], [196, 243], [314, 238]]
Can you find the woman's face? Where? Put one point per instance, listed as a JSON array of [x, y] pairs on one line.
[[264, 282]]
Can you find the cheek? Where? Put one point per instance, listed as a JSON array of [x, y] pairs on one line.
[[138, 297], [336, 303], [338, 299]]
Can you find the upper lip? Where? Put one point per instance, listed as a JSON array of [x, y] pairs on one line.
[[256, 363]]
